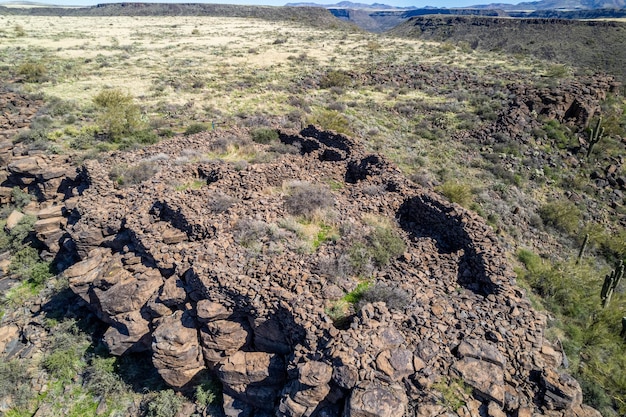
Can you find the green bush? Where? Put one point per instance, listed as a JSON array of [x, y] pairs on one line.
[[557, 71], [560, 134], [19, 234], [207, 392], [101, 379], [32, 72], [65, 358], [335, 78], [165, 404], [194, 128], [15, 378], [457, 193], [377, 249], [385, 244], [330, 120], [562, 215], [118, 113], [264, 135], [20, 198]]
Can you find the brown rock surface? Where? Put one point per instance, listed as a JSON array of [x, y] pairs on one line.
[[232, 291]]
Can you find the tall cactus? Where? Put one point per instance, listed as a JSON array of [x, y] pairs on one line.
[[611, 281], [582, 248], [595, 136]]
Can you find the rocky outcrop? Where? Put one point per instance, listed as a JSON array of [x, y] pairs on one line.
[[234, 291]]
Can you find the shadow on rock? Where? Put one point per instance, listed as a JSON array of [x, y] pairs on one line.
[[425, 217]]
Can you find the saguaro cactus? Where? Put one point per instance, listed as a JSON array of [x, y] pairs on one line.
[[611, 281], [582, 248], [595, 136]]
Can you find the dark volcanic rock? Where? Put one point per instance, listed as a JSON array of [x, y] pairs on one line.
[[237, 289]]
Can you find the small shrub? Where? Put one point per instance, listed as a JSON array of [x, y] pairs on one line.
[[119, 115], [376, 249], [15, 383], [101, 379], [560, 134], [330, 120], [165, 404], [305, 199], [19, 234], [334, 267], [557, 71], [133, 175], [394, 297], [20, 198], [264, 135], [456, 193], [19, 31], [32, 72], [219, 202], [64, 359], [335, 78], [286, 149], [249, 232], [562, 215], [207, 392], [453, 393], [194, 128], [385, 244]]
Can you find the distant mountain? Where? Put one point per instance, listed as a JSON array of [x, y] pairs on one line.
[[528, 6], [557, 5], [349, 5]]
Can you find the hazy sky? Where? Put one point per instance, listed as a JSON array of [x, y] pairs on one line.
[[402, 3]]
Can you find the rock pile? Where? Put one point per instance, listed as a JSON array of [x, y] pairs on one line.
[[212, 278]]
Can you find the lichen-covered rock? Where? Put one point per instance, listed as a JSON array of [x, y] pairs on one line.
[[374, 400]]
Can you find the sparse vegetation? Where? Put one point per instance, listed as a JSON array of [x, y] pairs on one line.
[[125, 175], [32, 72], [119, 115], [164, 404], [264, 135], [305, 199], [562, 215], [457, 193]]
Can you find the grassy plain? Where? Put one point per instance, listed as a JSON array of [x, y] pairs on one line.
[[191, 71]]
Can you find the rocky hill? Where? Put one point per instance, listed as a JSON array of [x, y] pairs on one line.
[[205, 265], [590, 45]]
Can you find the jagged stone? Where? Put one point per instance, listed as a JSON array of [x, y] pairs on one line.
[[562, 391], [50, 212], [129, 333], [173, 293], [481, 350], [221, 338], [209, 311], [396, 363], [176, 351], [485, 377], [377, 400], [314, 373], [29, 167]]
